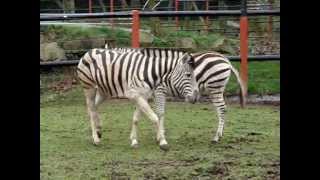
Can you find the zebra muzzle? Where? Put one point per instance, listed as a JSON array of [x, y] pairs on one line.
[[193, 99]]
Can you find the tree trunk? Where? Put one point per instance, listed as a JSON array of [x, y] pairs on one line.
[[102, 6], [135, 4], [171, 8], [155, 21], [187, 19], [69, 6], [124, 4], [197, 9], [201, 18], [59, 3]]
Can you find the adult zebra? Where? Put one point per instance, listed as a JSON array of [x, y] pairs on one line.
[[212, 71], [109, 74]]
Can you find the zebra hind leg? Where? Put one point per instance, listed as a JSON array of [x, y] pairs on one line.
[[160, 101], [220, 105], [99, 99], [93, 114], [133, 134]]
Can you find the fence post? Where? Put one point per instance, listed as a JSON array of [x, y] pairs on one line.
[[90, 6], [244, 46], [177, 18], [135, 29]]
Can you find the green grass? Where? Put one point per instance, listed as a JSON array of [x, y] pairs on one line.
[[249, 149], [263, 78]]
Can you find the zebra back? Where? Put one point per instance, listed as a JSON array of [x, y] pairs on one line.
[[212, 69], [114, 73]]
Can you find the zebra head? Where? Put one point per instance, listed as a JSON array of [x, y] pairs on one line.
[[183, 80]]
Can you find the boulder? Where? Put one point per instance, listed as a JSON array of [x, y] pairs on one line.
[[222, 45], [83, 44], [41, 38], [187, 43], [51, 51], [146, 38]]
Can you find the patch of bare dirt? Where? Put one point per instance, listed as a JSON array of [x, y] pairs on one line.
[[218, 170], [250, 137], [62, 86], [154, 175], [172, 163], [272, 170]]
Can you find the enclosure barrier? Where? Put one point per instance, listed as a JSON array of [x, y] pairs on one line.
[[72, 16], [231, 58], [244, 46], [135, 29], [135, 14]]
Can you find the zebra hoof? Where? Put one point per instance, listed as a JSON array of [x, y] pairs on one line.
[[99, 134], [215, 140], [134, 146], [96, 142], [164, 147]]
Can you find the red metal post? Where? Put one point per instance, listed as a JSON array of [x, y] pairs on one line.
[[135, 29], [90, 6], [111, 11], [244, 51], [177, 8]]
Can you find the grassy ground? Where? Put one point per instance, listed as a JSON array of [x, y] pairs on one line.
[[249, 149], [263, 78]]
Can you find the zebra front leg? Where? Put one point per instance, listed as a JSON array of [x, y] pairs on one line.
[[133, 134], [93, 114], [160, 101], [220, 105], [146, 109]]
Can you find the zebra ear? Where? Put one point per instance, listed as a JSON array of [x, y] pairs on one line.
[[187, 58]]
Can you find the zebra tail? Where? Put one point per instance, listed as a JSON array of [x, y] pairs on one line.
[[242, 88]]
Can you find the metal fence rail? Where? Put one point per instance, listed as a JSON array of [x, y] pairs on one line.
[[54, 17], [231, 58]]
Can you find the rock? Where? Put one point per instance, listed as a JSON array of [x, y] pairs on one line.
[[146, 38], [233, 24], [41, 38], [218, 43], [188, 43], [51, 51], [84, 44], [223, 46]]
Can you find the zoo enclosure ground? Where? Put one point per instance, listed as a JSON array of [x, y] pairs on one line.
[[250, 148]]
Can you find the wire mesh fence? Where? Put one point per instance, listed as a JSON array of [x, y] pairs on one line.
[[212, 33]]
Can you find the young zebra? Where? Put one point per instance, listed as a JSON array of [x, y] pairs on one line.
[[212, 71], [109, 74]]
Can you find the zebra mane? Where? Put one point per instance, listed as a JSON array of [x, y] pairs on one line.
[[164, 49], [107, 46], [207, 52]]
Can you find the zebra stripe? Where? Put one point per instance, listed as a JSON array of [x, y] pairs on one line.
[[108, 73], [212, 72]]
